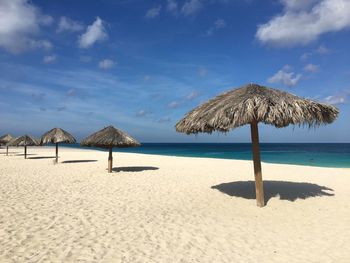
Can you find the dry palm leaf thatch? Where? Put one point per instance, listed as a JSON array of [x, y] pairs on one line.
[[252, 104], [110, 137], [241, 106], [4, 140], [57, 135], [10, 142], [25, 141]]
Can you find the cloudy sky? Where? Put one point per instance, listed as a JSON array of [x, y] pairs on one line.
[[141, 65]]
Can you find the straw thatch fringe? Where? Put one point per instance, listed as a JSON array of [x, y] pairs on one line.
[[25, 140], [110, 137], [57, 135], [10, 142], [6, 139], [241, 106]]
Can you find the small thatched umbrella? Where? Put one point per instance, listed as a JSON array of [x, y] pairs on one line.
[[252, 104], [25, 141], [57, 136], [5, 140], [108, 138]]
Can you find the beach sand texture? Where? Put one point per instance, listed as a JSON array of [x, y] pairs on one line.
[[168, 209]]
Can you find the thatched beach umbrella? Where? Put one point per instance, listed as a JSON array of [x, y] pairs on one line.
[[5, 139], [252, 104], [108, 138], [56, 136], [25, 141]]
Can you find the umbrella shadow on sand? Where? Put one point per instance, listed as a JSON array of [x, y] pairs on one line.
[[9, 153], [80, 161], [290, 191], [41, 157], [135, 169]]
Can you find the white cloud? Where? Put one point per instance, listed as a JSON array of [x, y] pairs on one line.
[[172, 6], [192, 95], [164, 119], [49, 59], [338, 98], [42, 44], [218, 24], [305, 21], [20, 23], [141, 113], [312, 68], [174, 104], [177, 103], [286, 77], [202, 72], [153, 12], [322, 50], [297, 4], [46, 20], [305, 56], [106, 64], [94, 33], [67, 24], [287, 67], [191, 7]]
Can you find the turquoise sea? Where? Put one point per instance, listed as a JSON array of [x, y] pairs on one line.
[[313, 154]]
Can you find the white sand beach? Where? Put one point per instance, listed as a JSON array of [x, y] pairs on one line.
[[168, 209]]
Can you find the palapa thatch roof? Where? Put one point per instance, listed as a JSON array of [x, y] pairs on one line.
[[110, 137], [12, 140], [5, 139], [25, 140], [57, 135], [241, 106]]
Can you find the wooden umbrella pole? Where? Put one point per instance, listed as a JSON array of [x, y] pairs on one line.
[[7, 150], [56, 152], [25, 152], [110, 160], [259, 187]]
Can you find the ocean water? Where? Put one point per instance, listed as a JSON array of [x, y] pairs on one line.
[[312, 154]]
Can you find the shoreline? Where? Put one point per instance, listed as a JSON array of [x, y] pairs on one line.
[[211, 158], [115, 151]]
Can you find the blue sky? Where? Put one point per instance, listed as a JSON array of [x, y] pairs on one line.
[[141, 65]]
